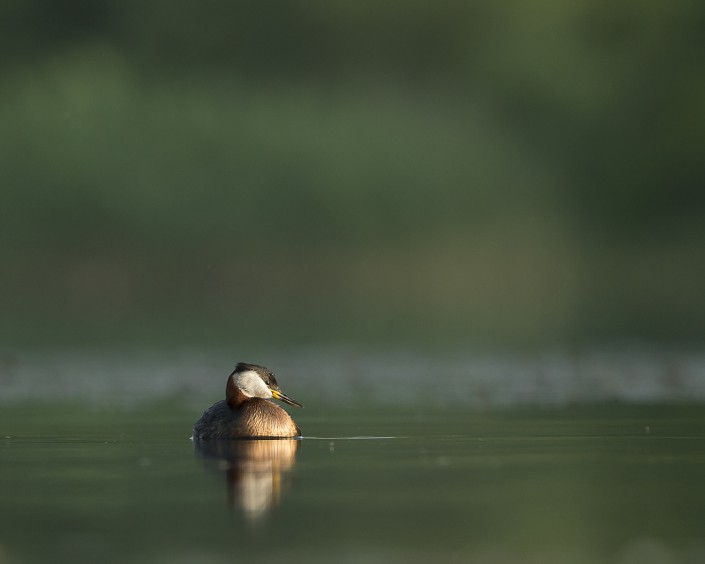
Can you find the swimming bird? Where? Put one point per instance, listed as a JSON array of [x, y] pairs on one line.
[[246, 412]]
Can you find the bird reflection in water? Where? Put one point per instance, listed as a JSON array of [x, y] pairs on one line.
[[255, 470]]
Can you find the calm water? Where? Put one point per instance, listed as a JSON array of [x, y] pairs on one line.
[[617, 483]]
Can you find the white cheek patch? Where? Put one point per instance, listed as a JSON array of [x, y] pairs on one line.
[[252, 385]]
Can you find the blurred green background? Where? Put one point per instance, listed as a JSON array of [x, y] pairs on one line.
[[447, 173]]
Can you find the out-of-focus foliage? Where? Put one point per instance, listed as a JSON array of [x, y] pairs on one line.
[[450, 171]]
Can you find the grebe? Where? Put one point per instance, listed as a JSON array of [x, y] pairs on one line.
[[245, 411]]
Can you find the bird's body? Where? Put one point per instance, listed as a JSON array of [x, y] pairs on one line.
[[255, 418], [246, 411]]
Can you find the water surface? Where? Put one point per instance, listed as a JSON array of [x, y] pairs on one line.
[[576, 484]]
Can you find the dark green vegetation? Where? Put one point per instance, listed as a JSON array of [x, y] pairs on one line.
[[304, 171], [585, 484]]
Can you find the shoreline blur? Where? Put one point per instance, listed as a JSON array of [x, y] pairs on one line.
[[341, 378]]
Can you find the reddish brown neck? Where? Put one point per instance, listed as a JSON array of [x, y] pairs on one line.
[[233, 395]]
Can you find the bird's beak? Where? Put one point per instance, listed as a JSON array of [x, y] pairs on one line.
[[276, 394]]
